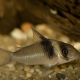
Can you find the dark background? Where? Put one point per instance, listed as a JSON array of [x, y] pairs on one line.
[[67, 20]]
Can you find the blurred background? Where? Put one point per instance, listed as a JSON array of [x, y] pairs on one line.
[[59, 20], [55, 19]]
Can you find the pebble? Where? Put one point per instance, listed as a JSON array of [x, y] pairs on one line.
[[10, 65], [19, 67], [64, 38], [63, 66], [77, 45], [40, 72], [28, 75], [63, 70], [11, 48], [70, 67], [46, 73], [50, 76], [26, 26], [53, 11], [18, 34], [41, 27], [77, 75], [12, 68], [22, 76], [37, 70], [56, 69], [53, 76], [66, 78], [29, 33], [60, 76], [37, 78], [14, 77], [32, 70], [27, 68]]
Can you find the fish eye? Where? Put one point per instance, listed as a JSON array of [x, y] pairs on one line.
[[65, 52]]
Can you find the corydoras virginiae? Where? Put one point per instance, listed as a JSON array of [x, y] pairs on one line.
[[42, 52]]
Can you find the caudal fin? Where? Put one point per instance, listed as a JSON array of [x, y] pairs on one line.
[[4, 56]]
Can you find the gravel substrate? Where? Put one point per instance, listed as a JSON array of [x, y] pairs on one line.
[[17, 71]]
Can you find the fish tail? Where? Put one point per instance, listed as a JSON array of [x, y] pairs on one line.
[[5, 56]]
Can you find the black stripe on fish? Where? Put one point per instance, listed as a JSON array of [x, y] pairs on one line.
[[48, 48]]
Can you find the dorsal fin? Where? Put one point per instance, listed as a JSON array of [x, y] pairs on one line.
[[46, 43], [37, 36]]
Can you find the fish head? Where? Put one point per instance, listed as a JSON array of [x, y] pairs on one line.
[[66, 52]]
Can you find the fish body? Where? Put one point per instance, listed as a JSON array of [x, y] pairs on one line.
[[42, 52], [34, 54]]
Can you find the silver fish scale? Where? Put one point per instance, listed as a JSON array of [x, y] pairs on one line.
[[33, 54]]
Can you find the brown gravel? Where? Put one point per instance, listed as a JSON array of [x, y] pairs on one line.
[[16, 71]]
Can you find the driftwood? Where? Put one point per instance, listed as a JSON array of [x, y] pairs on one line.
[[67, 20]]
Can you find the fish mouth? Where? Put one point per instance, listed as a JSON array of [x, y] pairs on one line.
[[63, 61], [72, 59]]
